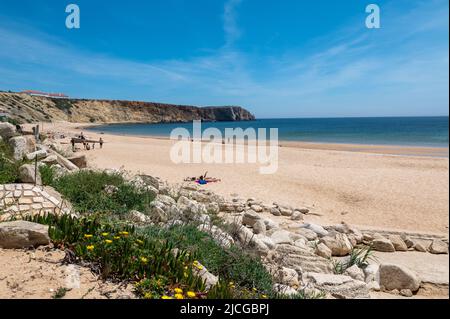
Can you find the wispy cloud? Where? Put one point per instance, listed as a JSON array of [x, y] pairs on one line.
[[388, 71], [230, 26]]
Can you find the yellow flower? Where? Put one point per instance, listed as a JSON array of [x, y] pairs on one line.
[[179, 296], [87, 236], [108, 241], [195, 263], [178, 290], [139, 241], [116, 237], [254, 289], [148, 295], [105, 234], [185, 274], [166, 297], [231, 283], [90, 247], [199, 267], [191, 294], [124, 233], [144, 260], [264, 296]]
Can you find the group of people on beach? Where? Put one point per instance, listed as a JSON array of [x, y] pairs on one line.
[[86, 144]]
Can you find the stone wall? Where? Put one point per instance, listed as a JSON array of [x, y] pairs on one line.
[[20, 199]]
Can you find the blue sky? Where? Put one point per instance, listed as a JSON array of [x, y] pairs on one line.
[[290, 58]]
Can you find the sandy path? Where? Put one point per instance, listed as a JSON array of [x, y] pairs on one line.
[[362, 188]]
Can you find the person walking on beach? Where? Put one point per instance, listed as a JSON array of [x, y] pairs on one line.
[[101, 143]]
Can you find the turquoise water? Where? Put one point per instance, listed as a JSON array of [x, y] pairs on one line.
[[408, 131]]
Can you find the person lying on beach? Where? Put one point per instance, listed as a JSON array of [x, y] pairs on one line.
[[202, 180]]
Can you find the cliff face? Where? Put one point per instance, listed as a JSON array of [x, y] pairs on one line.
[[26, 109]]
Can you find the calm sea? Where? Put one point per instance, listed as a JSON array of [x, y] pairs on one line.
[[410, 131]]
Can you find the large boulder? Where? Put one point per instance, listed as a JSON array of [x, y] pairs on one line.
[[7, 130], [339, 244], [319, 230], [281, 237], [438, 247], [79, 160], [323, 251], [287, 276], [398, 277], [28, 174], [355, 272], [23, 234], [20, 147], [38, 154]]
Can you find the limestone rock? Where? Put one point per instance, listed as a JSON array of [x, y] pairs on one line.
[[284, 290], [281, 237], [307, 233], [323, 251], [50, 160], [259, 227], [297, 216], [382, 244], [23, 234], [438, 247], [398, 277], [355, 272], [339, 286], [339, 245], [250, 218], [7, 130], [80, 161], [398, 243], [275, 211], [38, 154], [28, 174], [20, 147], [257, 208], [138, 217], [420, 247], [408, 241], [319, 230], [287, 276]]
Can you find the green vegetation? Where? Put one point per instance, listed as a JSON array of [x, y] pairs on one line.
[[60, 293], [231, 265], [9, 169], [358, 256], [64, 105], [47, 174], [118, 252], [91, 192]]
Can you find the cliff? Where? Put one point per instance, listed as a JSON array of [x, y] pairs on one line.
[[28, 109]]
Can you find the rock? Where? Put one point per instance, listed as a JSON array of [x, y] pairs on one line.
[[307, 233], [64, 162], [323, 251], [50, 160], [245, 235], [23, 234], [257, 208], [373, 285], [372, 273], [355, 272], [382, 244], [158, 215], [367, 237], [408, 241], [213, 208], [302, 259], [138, 217], [38, 154], [319, 230], [80, 161], [287, 276], [169, 201], [259, 227], [20, 147], [7, 130], [406, 293], [250, 218], [285, 211], [270, 224], [437, 246], [209, 279], [281, 237], [150, 180], [284, 290], [420, 247], [59, 170], [297, 216], [304, 211], [339, 286], [275, 211], [28, 174], [398, 277], [339, 245], [398, 243]]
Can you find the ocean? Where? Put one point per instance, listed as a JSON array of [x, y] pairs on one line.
[[405, 131]]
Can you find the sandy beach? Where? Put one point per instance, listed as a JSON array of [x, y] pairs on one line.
[[398, 188]]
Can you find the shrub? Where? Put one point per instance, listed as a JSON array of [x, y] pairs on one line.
[[47, 174], [90, 192], [232, 265], [358, 256], [9, 169], [119, 253]]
